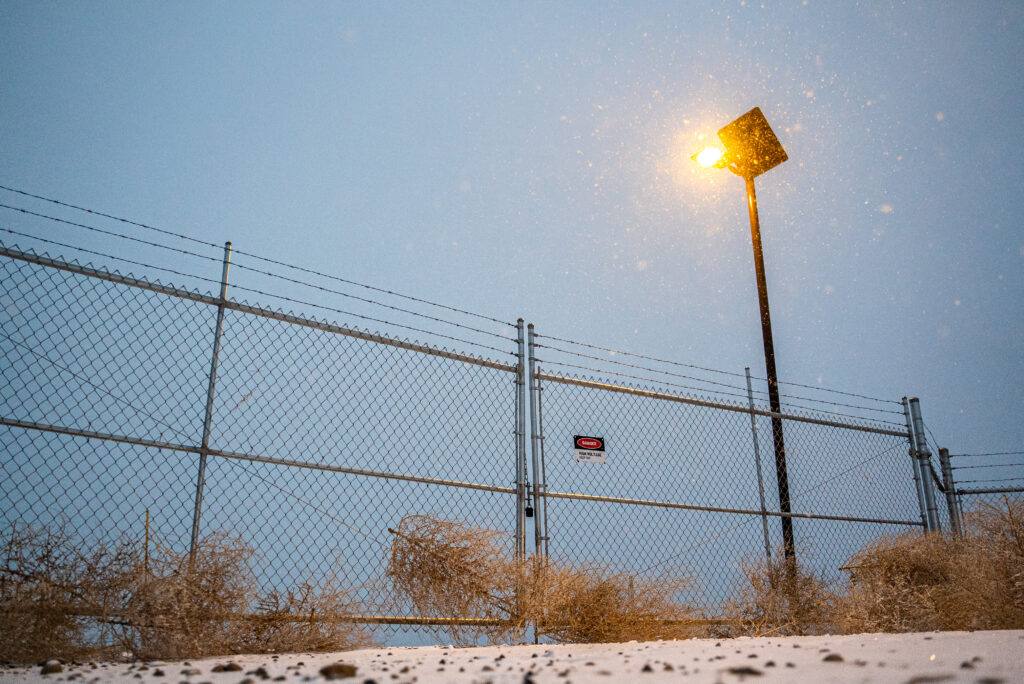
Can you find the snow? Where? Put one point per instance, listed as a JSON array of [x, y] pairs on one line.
[[992, 656]]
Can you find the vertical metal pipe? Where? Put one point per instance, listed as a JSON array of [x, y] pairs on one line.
[[924, 461], [788, 545], [543, 464], [757, 462], [915, 464], [208, 416], [520, 444], [539, 483], [950, 487]]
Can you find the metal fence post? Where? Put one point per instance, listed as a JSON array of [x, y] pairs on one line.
[[208, 416], [757, 462], [950, 487], [540, 483], [915, 465], [924, 461], [520, 443]]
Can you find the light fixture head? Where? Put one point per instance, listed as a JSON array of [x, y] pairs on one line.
[[751, 146]]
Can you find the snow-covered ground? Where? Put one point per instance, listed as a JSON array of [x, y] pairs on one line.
[[976, 657]]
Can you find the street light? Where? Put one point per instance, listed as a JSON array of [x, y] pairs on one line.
[[750, 149]]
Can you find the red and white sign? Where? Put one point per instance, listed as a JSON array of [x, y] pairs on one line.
[[588, 449]]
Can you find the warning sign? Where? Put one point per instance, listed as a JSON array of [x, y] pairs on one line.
[[588, 449]]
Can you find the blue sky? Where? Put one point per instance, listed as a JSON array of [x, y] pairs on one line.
[[532, 159]]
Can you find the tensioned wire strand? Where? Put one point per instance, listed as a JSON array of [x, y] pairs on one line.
[[256, 256], [250, 268], [180, 433], [262, 292], [751, 519]]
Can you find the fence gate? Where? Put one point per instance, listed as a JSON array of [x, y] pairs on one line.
[[678, 491]]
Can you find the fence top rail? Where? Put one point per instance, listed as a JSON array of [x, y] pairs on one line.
[[141, 283], [683, 399]]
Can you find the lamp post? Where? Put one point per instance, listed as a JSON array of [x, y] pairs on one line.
[[751, 148]]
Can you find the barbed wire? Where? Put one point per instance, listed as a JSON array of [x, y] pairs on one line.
[[256, 256], [990, 465], [715, 393], [713, 370], [86, 250], [713, 382], [270, 274], [263, 292], [1005, 479], [993, 453]]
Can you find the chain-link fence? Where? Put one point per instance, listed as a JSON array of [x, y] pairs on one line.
[[131, 407], [315, 439], [680, 491]]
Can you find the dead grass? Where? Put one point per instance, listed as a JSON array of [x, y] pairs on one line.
[[59, 600], [941, 582], [451, 570], [780, 597]]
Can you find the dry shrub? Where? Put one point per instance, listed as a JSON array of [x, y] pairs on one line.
[[182, 607], [592, 604], [309, 618], [58, 598], [51, 593], [782, 597], [937, 582], [454, 571]]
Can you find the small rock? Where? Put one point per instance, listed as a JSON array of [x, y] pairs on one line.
[[227, 667], [338, 671], [647, 668], [832, 658], [51, 667], [158, 672], [745, 671], [190, 671], [967, 665]]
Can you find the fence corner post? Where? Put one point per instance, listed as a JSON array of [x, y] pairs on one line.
[[924, 458], [915, 466], [950, 487]]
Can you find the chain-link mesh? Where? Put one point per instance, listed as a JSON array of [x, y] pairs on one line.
[[671, 460], [971, 502], [321, 438], [319, 441]]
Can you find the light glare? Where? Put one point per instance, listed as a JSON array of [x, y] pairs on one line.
[[709, 156]]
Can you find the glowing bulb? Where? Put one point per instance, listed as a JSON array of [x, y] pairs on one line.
[[709, 156]]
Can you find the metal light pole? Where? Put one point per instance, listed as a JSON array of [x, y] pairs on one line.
[[751, 148]]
